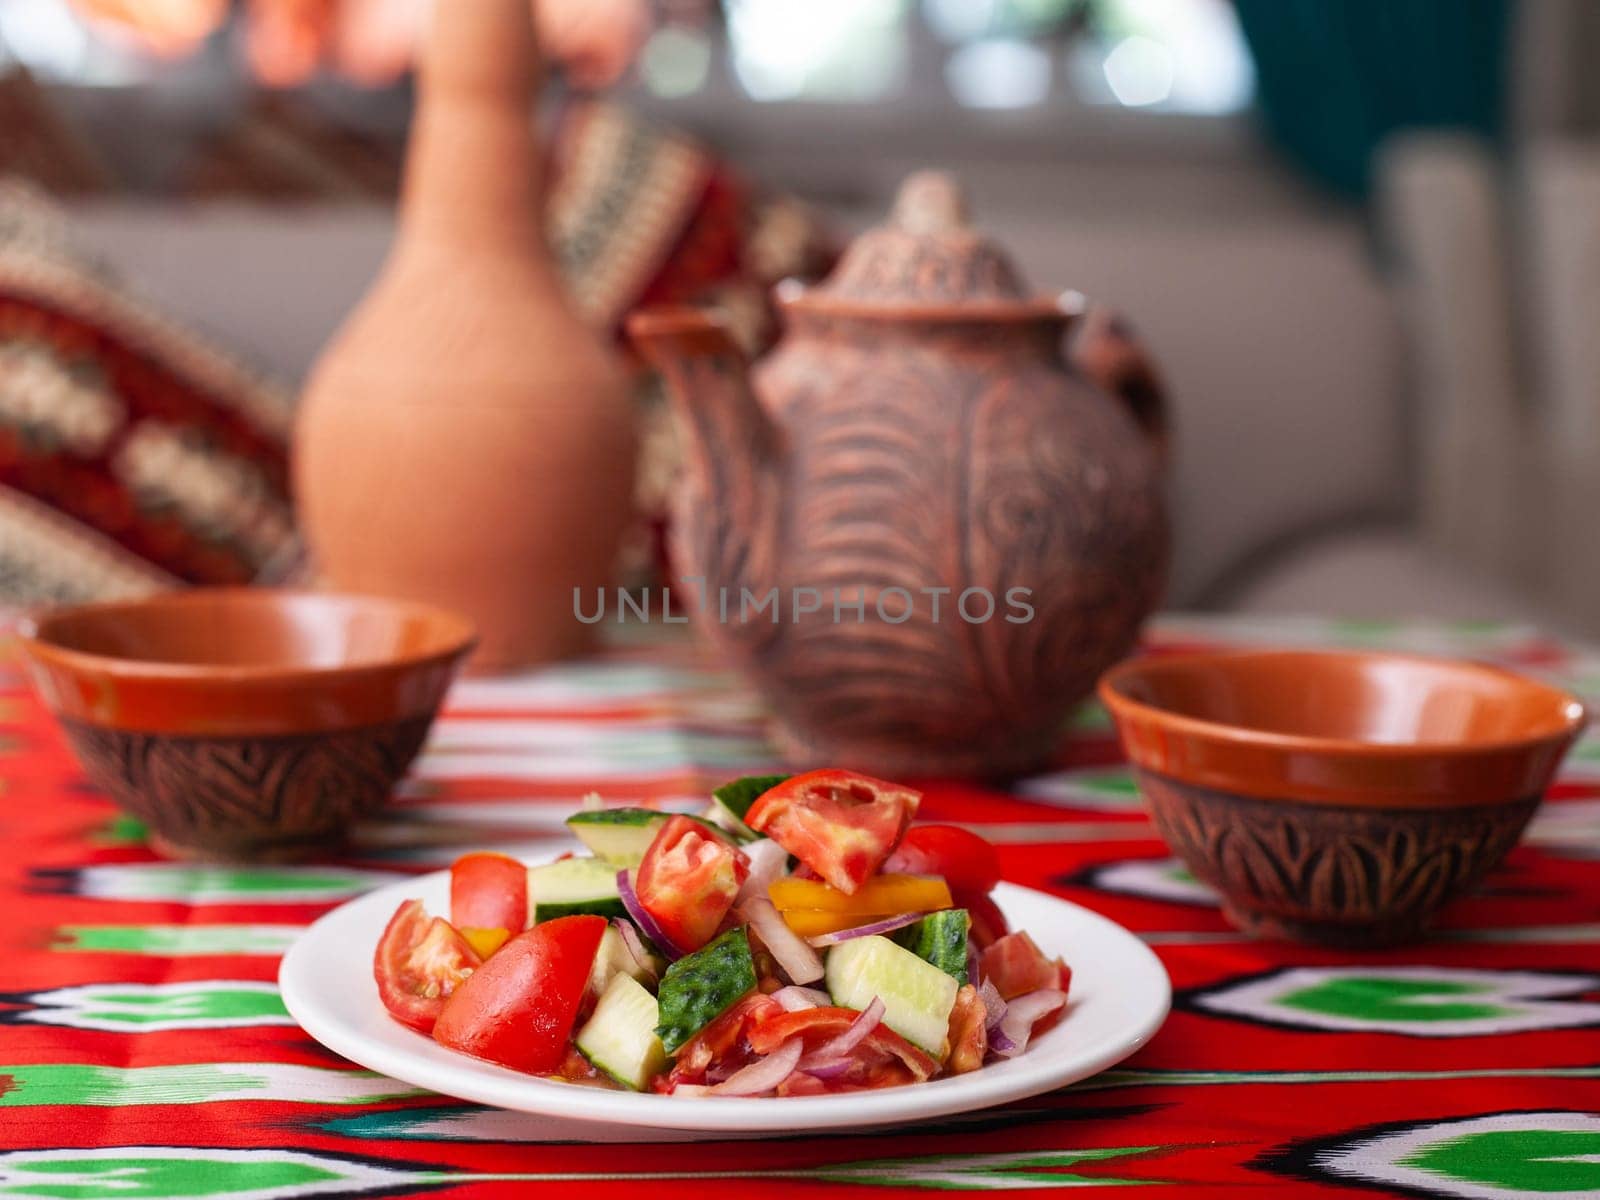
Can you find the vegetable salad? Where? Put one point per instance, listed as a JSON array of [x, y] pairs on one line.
[[801, 937]]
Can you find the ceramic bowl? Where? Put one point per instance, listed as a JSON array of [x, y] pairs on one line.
[[245, 723], [1332, 797]]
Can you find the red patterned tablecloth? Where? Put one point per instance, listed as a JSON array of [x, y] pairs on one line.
[[144, 1051]]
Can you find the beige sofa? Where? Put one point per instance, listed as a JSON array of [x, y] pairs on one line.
[[1282, 347]]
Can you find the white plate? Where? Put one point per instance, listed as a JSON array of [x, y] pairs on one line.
[[1120, 995]]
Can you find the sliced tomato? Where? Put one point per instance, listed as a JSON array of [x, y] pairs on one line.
[[866, 1074], [574, 1067], [1015, 965], [881, 895], [720, 1044], [519, 1007], [988, 923], [489, 891], [969, 1038], [840, 824], [968, 862], [419, 963], [688, 880], [814, 1026]]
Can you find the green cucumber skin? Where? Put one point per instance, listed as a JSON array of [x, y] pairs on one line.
[[611, 1075], [550, 910], [626, 1084], [738, 795], [619, 1038], [941, 939], [624, 834], [574, 886], [700, 987], [917, 996], [639, 817]]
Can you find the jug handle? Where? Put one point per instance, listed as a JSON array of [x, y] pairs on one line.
[[1108, 351]]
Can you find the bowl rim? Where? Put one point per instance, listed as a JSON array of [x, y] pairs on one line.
[[462, 639], [1576, 712]]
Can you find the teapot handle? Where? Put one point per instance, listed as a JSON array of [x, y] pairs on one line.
[[1109, 353]]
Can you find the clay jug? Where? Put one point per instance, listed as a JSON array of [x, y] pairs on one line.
[[466, 440], [920, 528]]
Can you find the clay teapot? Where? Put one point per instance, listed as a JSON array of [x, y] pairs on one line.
[[466, 440], [918, 530]]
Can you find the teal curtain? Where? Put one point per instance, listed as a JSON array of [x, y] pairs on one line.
[[1335, 77]]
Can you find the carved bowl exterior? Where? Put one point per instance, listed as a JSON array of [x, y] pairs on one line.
[[1338, 798], [240, 723]]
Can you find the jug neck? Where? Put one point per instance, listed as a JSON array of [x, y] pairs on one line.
[[473, 171]]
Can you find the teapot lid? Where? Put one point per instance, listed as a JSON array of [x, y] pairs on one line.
[[926, 254]]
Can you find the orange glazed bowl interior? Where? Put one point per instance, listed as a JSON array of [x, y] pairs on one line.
[[245, 722], [1342, 727], [1335, 796]]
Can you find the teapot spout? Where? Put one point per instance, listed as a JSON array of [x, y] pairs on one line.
[[731, 443]]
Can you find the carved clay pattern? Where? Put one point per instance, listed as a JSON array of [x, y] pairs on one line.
[[925, 456], [247, 796], [1333, 874], [890, 264], [917, 435]]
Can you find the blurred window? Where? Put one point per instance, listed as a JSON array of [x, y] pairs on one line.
[[1184, 56]]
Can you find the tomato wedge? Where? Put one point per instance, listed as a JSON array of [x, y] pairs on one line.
[[518, 1009], [969, 1038], [721, 1043], [419, 963], [489, 891], [840, 824], [817, 1026], [1015, 965], [987, 923], [688, 880], [967, 862]]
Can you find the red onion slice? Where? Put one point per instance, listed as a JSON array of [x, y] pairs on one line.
[[838, 1047], [642, 918], [768, 863], [630, 939], [796, 959], [994, 1006], [1016, 1027], [794, 999], [764, 1074], [886, 925], [835, 1068]]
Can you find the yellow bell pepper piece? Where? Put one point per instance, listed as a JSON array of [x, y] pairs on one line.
[[882, 895], [486, 941]]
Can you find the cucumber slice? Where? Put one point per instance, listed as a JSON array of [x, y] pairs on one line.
[[620, 1036], [613, 959], [574, 885], [917, 996], [731, 801], [941, 939], [700, 987], [622, 835]]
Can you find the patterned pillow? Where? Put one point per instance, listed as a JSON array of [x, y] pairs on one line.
[[134, 456], [640, 214]]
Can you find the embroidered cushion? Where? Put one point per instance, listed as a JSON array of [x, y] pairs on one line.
[[134, 455]]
